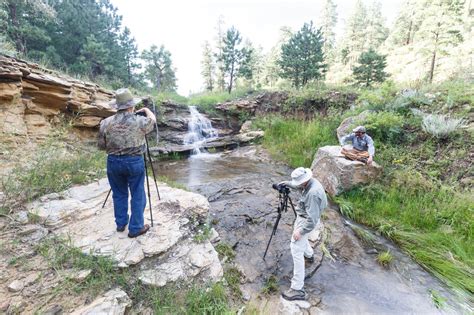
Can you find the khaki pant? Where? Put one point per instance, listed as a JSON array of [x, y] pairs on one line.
[[355, 155]]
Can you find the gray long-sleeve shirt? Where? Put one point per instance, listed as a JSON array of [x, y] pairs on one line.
[[364, 143], [308, 209]]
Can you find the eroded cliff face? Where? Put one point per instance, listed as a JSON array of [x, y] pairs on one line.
[[33, 99]]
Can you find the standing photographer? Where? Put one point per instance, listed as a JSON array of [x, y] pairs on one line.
[[308, 211], [123, 137]]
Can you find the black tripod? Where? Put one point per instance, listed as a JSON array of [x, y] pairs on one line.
[[283, 199], [147, 181]]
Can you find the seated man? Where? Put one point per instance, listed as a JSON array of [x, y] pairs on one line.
[[362, 146]]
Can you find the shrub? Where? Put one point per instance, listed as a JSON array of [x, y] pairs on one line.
[[384, 126], [441, 126], [385, 259]]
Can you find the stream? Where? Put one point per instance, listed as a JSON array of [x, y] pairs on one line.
[[238, 185]]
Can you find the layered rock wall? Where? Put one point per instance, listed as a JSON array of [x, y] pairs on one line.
[[32, 99]]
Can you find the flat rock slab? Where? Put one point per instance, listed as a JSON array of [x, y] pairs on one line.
[[113, 302], [77, 214], [338, 174], [188, 260]]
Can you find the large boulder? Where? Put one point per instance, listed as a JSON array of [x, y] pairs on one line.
[[338, 174], [345, 126]]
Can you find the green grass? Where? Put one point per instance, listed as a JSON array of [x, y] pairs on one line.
[[271, 285], [385, 259], [225, 250], [51, 170], [432, 223], [295, 141], [232, 277]]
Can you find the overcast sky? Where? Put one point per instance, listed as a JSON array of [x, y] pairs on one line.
[[182, 26]]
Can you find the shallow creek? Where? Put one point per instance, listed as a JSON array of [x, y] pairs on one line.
[[238, 185]]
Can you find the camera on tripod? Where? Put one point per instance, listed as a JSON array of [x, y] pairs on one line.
[[281, 188]]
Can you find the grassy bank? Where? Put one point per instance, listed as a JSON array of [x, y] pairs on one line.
[[423, 201]]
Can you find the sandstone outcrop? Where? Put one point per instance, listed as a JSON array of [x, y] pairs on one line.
[[32, 97], [338, 174]]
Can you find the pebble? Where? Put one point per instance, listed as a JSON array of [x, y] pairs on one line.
[[16, 286]]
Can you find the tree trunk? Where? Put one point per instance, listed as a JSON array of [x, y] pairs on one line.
[[433, 58], [231, 78], [12, 8], [158, 82], [407, 42]]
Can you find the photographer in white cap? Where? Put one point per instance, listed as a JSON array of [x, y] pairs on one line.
[[308, 211]]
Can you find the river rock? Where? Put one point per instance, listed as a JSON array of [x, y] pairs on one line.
[[113, 302], [16, 285], [292, 307], [338, 174], [188, 260]]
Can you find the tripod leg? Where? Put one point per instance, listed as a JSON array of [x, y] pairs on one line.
[[105, 201], [148, 188], [273, 233], [152, 169], [292, 207]]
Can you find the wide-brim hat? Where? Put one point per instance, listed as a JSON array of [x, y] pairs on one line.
[[359, 129], [124, 99], [301, 175]]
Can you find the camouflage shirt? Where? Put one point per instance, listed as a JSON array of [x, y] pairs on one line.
[[124, 133]]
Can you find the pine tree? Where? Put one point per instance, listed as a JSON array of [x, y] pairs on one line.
[[370, 69], [234, 57], [302, 58], [406, 24], [355, 34], [271, 69], [220, 71], [328, 24], [441, 28], [130, 53], [208, 66], [159, 69], [376, 31]]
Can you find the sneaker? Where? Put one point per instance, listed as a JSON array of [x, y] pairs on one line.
[[309, 260], [144, 229], [121, 228], [294, 295]]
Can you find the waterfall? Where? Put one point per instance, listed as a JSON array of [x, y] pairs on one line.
[[199, 131]]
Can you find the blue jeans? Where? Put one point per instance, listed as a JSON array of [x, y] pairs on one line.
[[127, 172]]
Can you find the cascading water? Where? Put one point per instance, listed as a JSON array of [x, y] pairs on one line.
[[199, 131]]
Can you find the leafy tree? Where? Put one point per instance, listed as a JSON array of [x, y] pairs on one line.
[[328, 24], [235, 58], [302, 58], [208, 66], [370, 69], [159, 69]]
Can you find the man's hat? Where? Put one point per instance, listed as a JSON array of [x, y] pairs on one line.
[[124, 99], [301, 175], [359, 129]]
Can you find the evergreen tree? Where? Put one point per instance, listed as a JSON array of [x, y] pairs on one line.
[[208, 66], [355, 34], [234, 58], [406, 24], [440, 29], [93, 58], [271, 68], [130, 52], [302, 58], [328, 24], [220, 68], [370, 69], [159, 69], [376, 31]]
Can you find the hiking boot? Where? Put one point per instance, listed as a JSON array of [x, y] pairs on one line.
[[144, 229], [309, 260], [294, 295], [121, 228]]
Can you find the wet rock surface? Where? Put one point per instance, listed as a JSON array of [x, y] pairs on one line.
[[348, 279]]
